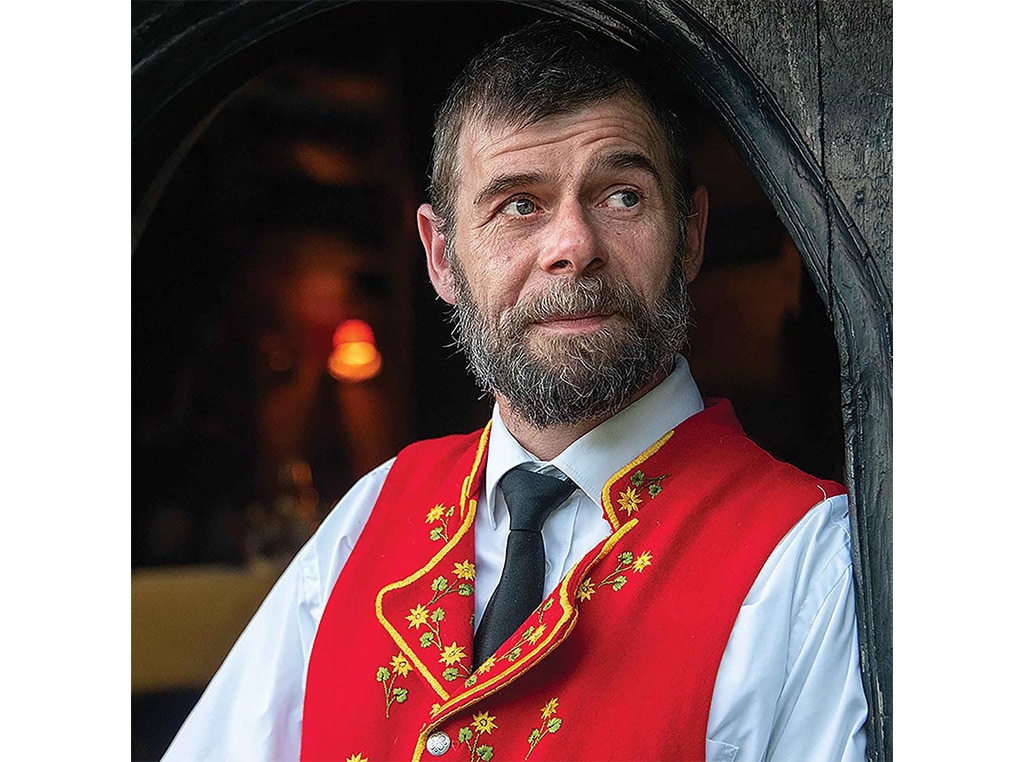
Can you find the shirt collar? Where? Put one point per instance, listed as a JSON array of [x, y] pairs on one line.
[[593, 458]]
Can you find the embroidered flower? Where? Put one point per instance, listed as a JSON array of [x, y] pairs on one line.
[[453, 654], [357, 758], [629, 501], [418, 616], [487, 666], [536, 635], [465, 570], [435, 513], [642, 561], [483, 722], [401, 665], [549, 708], [586, 590]]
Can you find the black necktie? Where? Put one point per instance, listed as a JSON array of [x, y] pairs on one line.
[[531, 497]]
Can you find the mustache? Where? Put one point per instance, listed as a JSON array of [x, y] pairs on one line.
[[583, 296]]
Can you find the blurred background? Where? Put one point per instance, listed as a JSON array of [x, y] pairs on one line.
[[285, 338]]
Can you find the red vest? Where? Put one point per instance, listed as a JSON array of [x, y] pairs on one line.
[[619, 662]]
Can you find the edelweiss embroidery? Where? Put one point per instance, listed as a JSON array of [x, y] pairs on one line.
[[549, 724], [628, 562], [529, 637], [469, 736], [452, 655], [393, 694], [443, 515], [630, 500]]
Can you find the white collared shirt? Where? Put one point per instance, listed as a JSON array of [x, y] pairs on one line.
[[788, 686]]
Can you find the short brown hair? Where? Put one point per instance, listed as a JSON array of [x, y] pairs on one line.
[[545, 69]]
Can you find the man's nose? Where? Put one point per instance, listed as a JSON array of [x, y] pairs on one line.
[[573, 245]]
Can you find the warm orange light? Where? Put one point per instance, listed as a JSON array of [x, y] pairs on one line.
[[355, 356], [353, 331]]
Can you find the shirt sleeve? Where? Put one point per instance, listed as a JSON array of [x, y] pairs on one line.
[[789, 685], [252, 708]]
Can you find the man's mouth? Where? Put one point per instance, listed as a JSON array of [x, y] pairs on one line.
[[576, 323]]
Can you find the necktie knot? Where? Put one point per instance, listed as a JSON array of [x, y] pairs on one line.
[[532, 496]]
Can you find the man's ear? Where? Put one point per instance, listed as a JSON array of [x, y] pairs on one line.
[[438, 266], [696, 227]]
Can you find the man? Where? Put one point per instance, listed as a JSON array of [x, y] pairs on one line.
[[610, 569]]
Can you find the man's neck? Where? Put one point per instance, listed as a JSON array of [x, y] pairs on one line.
[[549, 441]]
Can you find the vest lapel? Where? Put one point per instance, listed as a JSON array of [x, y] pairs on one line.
[[429, 612]]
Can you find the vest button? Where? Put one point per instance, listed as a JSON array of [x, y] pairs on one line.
[[438, 743]]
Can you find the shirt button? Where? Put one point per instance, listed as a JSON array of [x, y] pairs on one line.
[[438, 743]]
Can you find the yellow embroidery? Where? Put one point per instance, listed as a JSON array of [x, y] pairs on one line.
[[401, 665], [606, 498], [483, 722], [465, 570], [629, 501], [394, 694], [357, 758], [628, 562], [418, 616], [549, 724], [642, 561]]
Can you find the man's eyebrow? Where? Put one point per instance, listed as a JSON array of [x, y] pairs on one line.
[[502, 183], [626, 160]]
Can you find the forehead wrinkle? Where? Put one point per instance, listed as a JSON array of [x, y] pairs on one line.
[[501, 183], [625, 160]]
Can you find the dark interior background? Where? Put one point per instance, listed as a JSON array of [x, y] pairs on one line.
[[294, 210]]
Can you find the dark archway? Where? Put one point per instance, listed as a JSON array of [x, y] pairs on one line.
[[188, 56]]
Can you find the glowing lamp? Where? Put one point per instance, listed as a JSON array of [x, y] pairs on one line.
[[355, 356]]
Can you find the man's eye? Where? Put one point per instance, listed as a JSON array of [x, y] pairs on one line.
[[624, 199], [520, 207]]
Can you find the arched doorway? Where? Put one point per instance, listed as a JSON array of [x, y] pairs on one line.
[[187, 58]]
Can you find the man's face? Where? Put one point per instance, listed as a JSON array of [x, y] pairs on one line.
[[567, 268]]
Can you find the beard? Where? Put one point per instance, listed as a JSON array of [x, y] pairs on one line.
[[564, 379]]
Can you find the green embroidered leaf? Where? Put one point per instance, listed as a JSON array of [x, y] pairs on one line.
[[450, 674], [400, 694], [450, 511], [534, 736], [547, 604], [619, 582], [382, 674], [471, 681], [626, 557], [438, 614], [465, 735], [654, 490], [528, 631], [439, 585], [485, 752], [514, 653], [465, 589], [435, 533], [554, 724], [637, 478], [426, 639]]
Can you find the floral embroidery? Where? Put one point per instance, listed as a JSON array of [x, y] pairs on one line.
[[653, 483], [483, 723], [452, 655], [392, 693], [443, 515], [629, 501], [586, 590], [357, 758], [530, 636], [465, 570], [549, 724], [617, 579]]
